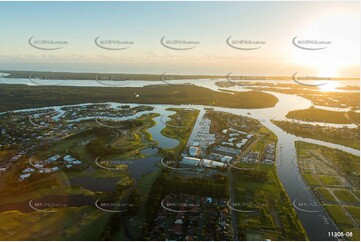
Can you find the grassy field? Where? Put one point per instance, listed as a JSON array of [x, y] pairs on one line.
[[338, 214], [184, 129], [57, 182], [355, 233], [330, 180], [149, 122], [73, 223], [354, 116], [312, 180], [262, 142], [130, 145], [326, 194], [119, 143], [348, 165], [262, 191], [136, 224], [356, 192], [345, 196], [339, 164], [354, 211]]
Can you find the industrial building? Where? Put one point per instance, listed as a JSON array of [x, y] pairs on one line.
[[190, 161]]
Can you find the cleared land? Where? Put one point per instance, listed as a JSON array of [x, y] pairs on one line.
[[354, 211], [333, 176], [326, 194], [260, 190], [345, 196], [337, 214]]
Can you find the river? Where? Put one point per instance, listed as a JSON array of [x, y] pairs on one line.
[[313, 218]]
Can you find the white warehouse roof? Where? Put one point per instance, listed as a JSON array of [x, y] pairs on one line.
[[193, 151], [190, 161]]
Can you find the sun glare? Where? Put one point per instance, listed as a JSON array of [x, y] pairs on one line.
[[343, 51], [329, 87], [328, 72]]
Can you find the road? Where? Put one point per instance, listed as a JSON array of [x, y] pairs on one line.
[[233, 213]]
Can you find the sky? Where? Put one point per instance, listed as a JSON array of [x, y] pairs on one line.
[[206, 25]]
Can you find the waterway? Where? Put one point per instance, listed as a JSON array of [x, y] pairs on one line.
[[313, 218]]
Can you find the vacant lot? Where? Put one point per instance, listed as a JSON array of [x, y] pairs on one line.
[[338, 215], [345, 196], [326, 194], [330, 180], [312, 180]]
